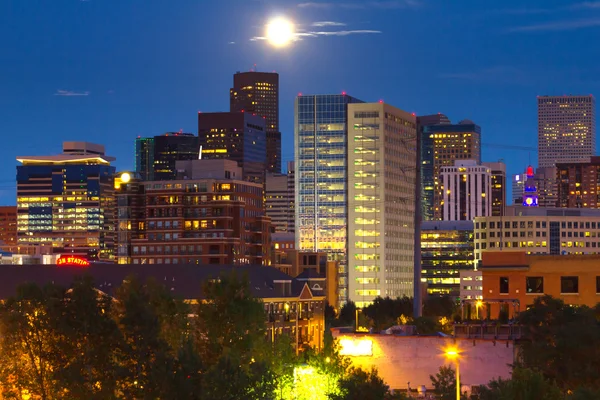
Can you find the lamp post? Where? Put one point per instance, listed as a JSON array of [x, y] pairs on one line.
[[452, 353]]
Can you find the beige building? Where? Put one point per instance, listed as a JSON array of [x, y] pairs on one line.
[[280, 198], [538, 230], [381, 187]]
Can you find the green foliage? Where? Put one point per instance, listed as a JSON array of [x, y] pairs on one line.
[[427, 325], [440, 306], [347, 315], [361, 385], [384, 312], [562, 342], [444, 383], [524, 384]]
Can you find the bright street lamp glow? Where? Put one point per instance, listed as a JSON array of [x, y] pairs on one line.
[[280, 32]]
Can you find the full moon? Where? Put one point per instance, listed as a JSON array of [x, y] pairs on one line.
[[280, 32]]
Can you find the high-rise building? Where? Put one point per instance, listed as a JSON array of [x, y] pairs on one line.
[[467, 191], [321, 160], [578, 184], [518, 181], [280, 199], [258, 93], [426, 160], [450, 143], [382, 163], [65, 202], [547, 188], [446, 250], [566, 129], [170, 148], [498, 171], [236, 136], [530, 192], [131, 213], [8, 229], [204, 218], [144, 157]]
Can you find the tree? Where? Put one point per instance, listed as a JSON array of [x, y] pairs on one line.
[[440, 306], [149, 367], [524, 384], [89, 343], [28, 342], [427, 326], [361, 385], [347, 315], [444, 384], [562, 342]]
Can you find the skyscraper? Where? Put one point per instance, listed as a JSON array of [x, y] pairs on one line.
[[321, 154], [578, 184], [236, 136], [450, 143], [170, 148], [279, 195], [65, 202], [467, 191], [566, 129], [426, 160], [144, 157], [498, 171], [258, 93], [382, 163]]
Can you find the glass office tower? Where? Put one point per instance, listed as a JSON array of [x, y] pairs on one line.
[[321, 148]]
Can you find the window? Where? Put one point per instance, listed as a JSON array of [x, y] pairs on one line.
[[569, 284], [503, 285], [534, 284]]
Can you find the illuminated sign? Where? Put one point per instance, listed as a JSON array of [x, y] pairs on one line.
[[356, 347], [530, 201], [72, 260]]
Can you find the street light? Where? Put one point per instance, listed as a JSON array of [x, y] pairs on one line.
[[478, 304], [452, 353]]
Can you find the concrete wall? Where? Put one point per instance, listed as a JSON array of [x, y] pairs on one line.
[[402, 359]]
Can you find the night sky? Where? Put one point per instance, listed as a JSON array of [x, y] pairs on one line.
[[107, 71]]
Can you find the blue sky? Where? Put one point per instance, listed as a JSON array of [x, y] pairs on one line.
[[107, 71]]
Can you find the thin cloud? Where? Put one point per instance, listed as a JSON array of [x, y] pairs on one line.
[[391, 4], [557, 26], [231, 43], [313, 34], [587, 5], [60, 92], [327, 23], [520, 11]]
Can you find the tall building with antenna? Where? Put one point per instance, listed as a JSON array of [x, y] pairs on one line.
[[258, 93]]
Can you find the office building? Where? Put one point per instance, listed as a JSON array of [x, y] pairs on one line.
[[578, 184], [461, 142], [236, 136], [170, 148], [518, 182], [517, 276], [498, 177], [381, 201], [530, 193], [547, 186], [566, 129], [446, 250], [206, 217], [280, 197], [8, 229], [131, 213], [258, 93], [537, 230], [426, 161], [65, 202], [467, 191], [321, 154], [144, 157]]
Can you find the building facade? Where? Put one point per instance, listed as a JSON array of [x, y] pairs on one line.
[[460, 141], [578, 184], [547, 186], [170, 148], [321, 149], [200, 220], [8, 229], [65, 203], [575, 279], [144, 157], [381, 201], [237, 136], [566, 129], [467, 191], [498, 186], [537, 230], [446, 250], [258, 93], [280, 197], [426, 161], [518, 182]]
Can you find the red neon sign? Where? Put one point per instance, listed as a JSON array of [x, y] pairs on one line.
[[72, 260]]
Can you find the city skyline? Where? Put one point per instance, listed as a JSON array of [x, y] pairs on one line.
[[87, 82]]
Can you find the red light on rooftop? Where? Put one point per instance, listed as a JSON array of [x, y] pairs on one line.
[[530, 171], [242, 110], [299, 94], [380, 101], [344, 93], [414, 114]]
